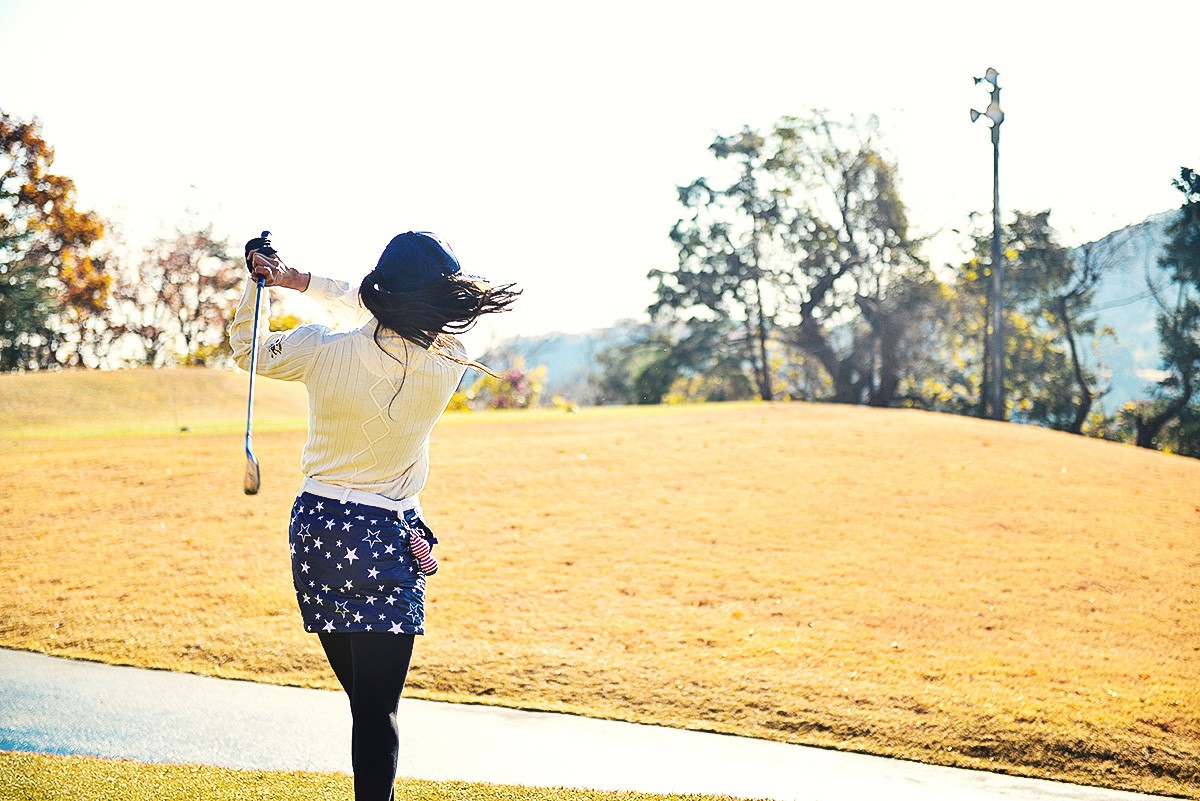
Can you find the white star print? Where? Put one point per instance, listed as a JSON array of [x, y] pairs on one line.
[[304, 567], [324, 588], [414, 612], [351, 556], [396, 629], [373, 573], [389, 549], [357, 617], [339, 608], [317, 543], [329, 626], [329, 524], [320, 507], [371, 600], [347, 526], [391, 599]]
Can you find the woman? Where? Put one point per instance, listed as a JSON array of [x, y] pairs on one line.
[[360, 549]]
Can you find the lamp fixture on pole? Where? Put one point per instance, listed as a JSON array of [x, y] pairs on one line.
[[995, 341]]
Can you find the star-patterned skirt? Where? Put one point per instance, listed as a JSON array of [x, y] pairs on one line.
[[353, 569]]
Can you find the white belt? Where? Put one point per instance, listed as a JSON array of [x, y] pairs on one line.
[[345, 495]]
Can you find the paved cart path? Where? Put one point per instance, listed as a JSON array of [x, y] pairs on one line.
[[64, 706]]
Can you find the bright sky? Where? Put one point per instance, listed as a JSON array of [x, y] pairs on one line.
[[545, 140]]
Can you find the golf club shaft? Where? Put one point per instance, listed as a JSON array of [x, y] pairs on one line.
[[253, 361]]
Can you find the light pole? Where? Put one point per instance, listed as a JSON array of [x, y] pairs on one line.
[[995, 348]]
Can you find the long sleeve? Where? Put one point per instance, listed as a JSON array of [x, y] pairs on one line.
[[340, 298], [285, 355]]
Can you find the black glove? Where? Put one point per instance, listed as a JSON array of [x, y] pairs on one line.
[[259, 244]]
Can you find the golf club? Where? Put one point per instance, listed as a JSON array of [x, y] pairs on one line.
[[253, 480]]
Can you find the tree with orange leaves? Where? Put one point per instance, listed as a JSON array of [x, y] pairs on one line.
[[53, 284]]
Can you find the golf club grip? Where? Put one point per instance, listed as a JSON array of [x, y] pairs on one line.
[[259, 244]]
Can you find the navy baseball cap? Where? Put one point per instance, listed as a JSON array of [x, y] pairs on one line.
[[413, 260]]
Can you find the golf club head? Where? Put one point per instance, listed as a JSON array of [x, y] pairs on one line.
[[251, 483]]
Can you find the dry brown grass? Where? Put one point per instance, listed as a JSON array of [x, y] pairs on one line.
[[931, 587]]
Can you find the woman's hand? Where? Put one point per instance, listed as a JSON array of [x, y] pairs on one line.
[[276, 273]]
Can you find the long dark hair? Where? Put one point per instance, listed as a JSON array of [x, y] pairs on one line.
[[426, 316]]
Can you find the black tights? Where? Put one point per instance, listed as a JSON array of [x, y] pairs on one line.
[[372, 667]]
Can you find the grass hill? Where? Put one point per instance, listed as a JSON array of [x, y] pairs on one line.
[[932, 587], [91, 402]]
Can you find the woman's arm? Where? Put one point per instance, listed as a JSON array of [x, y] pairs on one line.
[[283, 354], [338, 297]]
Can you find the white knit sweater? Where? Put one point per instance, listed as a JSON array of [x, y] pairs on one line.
[[369, 412]]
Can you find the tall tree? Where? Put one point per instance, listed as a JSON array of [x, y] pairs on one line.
[[853, 257], [1076, 315], [1178, 319], [1050, 294], [724, 240], [807, 245], [1048, 320], [50, 278], [174, 303]]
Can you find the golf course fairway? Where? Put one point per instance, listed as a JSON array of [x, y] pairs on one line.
[[896, 582]]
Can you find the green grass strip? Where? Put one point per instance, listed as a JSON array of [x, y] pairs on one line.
[[38, 777]]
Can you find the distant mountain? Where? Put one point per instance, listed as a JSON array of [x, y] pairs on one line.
[[570, 359], [1125, 304]]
